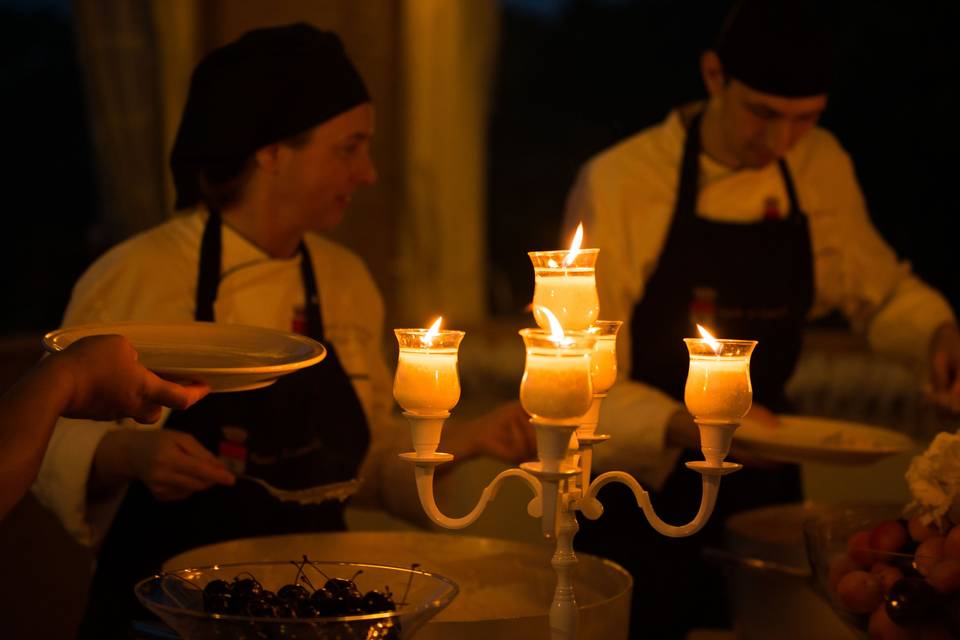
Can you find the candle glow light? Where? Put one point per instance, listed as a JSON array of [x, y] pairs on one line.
[[565, 283], [427, 382], [604, 357], [718, 388], [556, 384]]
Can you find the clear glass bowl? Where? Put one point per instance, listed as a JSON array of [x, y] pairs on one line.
[[827, 538], [177, 598]]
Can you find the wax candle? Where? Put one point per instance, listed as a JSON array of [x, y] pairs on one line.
[[604, 357], [718, 385], [571, 294], [427, 382], [565, 282], [556, 383]]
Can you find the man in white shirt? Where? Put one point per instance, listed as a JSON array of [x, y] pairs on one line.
[[741, 215], [274, 141]]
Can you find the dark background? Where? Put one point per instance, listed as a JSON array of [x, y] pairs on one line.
[[574, 76]]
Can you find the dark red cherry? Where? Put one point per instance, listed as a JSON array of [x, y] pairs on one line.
[[342, 586], [293, 593], [217, 603], [912, 601], [243, 588], [378, 602], [216, 587]]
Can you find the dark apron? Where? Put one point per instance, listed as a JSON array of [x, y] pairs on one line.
[[745, 281], [306, 429]]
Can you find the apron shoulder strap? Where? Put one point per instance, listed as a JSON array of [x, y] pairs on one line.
[[791, 190], [208, 275], [311, 295], [686, 205]]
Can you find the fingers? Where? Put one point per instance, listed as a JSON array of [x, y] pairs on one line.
[[171, 394], [203, 467], [175, 465]]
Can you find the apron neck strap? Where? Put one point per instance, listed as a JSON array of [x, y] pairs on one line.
[[311, 295], [687, 189], [208, 278], [208, 275]]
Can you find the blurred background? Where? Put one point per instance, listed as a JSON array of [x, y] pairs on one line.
[[485, 111]]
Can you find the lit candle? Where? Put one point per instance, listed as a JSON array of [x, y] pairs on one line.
[[604, 356], [426, 382], [556, 384], [566, 284], [718, 388]]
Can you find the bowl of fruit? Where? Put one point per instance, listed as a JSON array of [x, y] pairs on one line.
[[887, 576], [296, 600]]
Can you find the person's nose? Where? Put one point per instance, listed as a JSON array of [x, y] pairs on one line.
[[367, 171]]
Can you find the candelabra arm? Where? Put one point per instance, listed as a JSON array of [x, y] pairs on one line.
[[424, 477], [591, 507]]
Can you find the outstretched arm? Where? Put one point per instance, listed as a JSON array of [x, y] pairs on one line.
[[97, 378]]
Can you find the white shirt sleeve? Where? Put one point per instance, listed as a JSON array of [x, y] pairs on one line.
[[117, 287], [858, 272], [634, 414], [61, 484]]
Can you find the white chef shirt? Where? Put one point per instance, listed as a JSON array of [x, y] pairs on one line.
[[625, 197], [152, 277]]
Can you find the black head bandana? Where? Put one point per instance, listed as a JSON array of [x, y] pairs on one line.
[[267, 86], [780, 47]]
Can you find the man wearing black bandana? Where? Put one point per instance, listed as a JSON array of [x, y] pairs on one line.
[[741, 215], [274, 142]]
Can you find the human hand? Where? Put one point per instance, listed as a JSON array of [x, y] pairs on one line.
[[759, 417], [172, 464], [504, 433], [107, 382], [945, 368], [683, 432]]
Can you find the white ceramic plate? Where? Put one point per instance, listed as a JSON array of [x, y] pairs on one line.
[[226, 357], [808, 439]]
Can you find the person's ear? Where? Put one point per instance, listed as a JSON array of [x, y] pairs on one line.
[[712, 71], [268, 158]]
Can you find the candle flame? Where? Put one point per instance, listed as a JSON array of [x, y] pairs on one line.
[[432, 332], [556, 329], [574, 246], [552, 264], [709, 339]]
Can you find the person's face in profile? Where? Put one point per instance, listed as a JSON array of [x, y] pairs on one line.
[[759, 128], [321, 176]]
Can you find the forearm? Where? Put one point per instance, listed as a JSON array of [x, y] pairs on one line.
[[28, 413], [905, 326]]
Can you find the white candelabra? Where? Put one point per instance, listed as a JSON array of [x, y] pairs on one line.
[[566, 377]]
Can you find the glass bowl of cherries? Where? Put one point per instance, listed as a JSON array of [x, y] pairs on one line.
[[888, 577], [315, 600]]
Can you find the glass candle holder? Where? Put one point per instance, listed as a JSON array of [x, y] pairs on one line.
[[603, 360], [556, 384], [566, 283], [718, 388], [427, 382]]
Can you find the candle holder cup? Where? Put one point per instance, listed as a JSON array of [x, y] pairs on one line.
[[565, 283], [718, 393], [427, 385]]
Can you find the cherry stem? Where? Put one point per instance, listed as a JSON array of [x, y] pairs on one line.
[[403, 600]]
